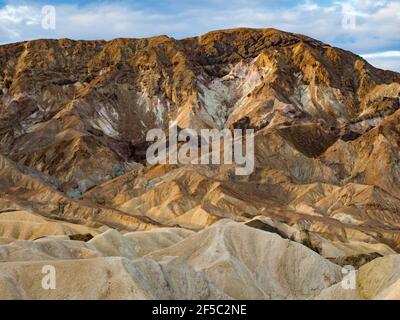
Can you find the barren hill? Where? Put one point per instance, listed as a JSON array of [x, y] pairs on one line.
[[73, 122]]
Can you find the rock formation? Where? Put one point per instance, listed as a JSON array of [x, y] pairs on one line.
[[76, 191]]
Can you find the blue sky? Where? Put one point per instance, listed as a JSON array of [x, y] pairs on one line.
[[370, 28]]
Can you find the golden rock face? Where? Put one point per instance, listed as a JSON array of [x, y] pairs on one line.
[[74, 117]]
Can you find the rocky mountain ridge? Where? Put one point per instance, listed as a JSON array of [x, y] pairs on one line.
[[73, 122]]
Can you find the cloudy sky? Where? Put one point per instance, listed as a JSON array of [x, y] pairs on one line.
[[370, 28]]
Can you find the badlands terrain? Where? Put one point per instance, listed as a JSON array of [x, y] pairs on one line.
[[76, 192]]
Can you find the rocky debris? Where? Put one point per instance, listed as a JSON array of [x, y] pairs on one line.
[[356, 261], [81, 237], [24, 189]]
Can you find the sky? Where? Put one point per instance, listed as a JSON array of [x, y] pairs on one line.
[[370, 28]]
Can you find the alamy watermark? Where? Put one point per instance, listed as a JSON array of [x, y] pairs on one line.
[[205, 146], [49, 280], [349, 281], [49, 17], [349, 17]]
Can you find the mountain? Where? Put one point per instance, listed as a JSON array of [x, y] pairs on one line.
[[74, 116]]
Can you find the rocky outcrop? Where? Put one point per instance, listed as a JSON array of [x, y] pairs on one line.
[[75, 188]]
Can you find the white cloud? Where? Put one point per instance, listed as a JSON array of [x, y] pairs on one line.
[[385, 64], [18, 14], [386, 54], [308, 5], [15, 18], [389, 60]]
